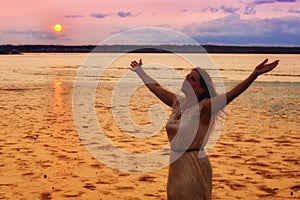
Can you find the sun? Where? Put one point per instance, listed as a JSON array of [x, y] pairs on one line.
[[58, 27]]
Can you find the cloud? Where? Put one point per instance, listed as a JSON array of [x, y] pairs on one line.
[[234, 30], [227, 9], [287, 1], [223, 9], [124, 14], [99, 15], [294, 11], [210, 10], [73, 16], [258, 2], [250, 9], [40, 35]]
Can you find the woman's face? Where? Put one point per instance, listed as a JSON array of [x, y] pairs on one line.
[[192, 84]]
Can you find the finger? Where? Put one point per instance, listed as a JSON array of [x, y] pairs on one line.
[[272, 65], [264, 62], [134, 63], [141, 62], [275, 63]]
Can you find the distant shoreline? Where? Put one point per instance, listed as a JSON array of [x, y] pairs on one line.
[[19, 49]]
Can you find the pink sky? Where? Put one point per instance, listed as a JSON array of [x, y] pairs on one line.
[[270, 22]]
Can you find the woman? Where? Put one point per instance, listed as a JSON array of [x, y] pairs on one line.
[[190, 175]]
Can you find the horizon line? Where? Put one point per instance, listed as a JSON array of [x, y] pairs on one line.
[[210, 44]]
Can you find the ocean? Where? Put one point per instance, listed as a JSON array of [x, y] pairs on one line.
[[35, 68], [46, 70]]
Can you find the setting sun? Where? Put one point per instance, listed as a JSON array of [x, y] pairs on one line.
[[58, 83], [58, 27]]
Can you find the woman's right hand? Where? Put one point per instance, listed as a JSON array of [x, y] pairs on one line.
[[135, 65]]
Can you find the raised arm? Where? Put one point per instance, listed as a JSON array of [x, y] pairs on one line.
[[164, 95], [220, 101]]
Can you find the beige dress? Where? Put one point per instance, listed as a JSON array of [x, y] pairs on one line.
[[190, 175]]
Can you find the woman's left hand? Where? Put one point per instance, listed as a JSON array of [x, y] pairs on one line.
[[265, 67]]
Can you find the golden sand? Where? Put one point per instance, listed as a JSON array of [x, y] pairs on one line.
[[257, 155]]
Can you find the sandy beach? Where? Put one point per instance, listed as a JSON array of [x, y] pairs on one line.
[[257, 155]]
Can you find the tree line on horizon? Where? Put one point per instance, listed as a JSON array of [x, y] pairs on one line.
[[16, 49]]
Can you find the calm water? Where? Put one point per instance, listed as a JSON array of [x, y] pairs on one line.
[[34, 69]]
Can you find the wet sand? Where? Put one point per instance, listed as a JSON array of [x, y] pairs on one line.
[[256, 157]]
